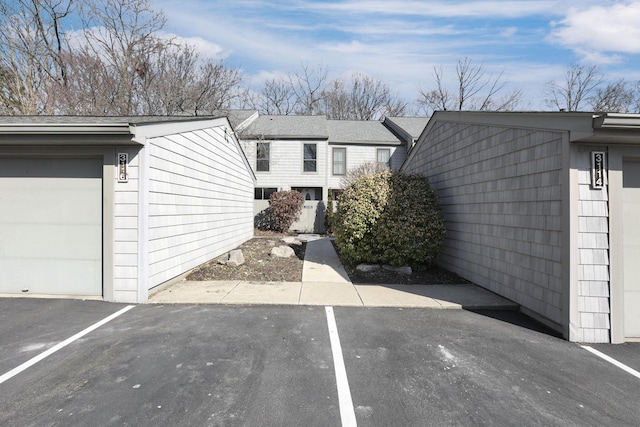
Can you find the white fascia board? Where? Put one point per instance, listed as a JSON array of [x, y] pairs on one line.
[[142, 131], [616, 121]]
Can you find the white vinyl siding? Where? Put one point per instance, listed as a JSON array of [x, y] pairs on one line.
[[200, 201], [356, 155], [125, 223], [286, 165]]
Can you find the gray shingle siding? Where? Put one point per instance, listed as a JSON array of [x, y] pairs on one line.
[[501, 194]]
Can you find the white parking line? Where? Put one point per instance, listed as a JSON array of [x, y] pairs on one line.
[[612, 361], [347, 414], [15, 371]]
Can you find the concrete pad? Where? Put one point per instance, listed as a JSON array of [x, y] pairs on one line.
[[465, 296], [309, 237], [329, 293], [321, 263], [188, 292], [394, 296], [264, 293]]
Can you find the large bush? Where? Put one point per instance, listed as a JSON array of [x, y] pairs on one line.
[[389, 218], [284, 209]]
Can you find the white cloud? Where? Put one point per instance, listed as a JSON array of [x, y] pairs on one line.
[[508, 32], [207, 49], [596, 32], [440, 9]]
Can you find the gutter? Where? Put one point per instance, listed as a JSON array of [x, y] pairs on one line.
[[65, 129], [616, 121]]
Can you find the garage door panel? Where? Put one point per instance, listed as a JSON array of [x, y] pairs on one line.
[[57, 195], [51, 226], [631, 246], [43, 276], [631, 304], [63, 167], [59, 242]]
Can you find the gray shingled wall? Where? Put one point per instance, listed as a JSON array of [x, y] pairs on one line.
[[500, 189], [593, 248]]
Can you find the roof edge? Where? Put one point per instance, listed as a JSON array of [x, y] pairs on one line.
[[65, 129], [616, 121]]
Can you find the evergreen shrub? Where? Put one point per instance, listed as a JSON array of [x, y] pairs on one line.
[[389, 218]]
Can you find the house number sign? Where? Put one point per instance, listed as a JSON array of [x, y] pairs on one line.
[[123, 161], [597, 170]]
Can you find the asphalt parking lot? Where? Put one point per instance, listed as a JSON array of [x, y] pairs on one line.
[[215, 365]]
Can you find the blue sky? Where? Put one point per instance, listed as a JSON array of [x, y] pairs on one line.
[[400, 42]]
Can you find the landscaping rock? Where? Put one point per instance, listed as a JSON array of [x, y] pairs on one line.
[[234, 258], [282, 252], [290, 240], [406, 270], [367, 268]]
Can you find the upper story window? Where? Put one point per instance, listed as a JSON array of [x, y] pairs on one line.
[[384, 157], [339, 161], [263, 150], [310, 157]]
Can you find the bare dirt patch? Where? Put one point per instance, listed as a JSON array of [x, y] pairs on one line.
[[261, 266]]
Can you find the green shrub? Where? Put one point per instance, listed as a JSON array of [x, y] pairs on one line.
[[389, 218], [284, 209]]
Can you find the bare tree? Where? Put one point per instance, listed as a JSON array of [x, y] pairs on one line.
[[87, 91], [635, 106], [31, 43], [475, 90], [308, 84], [123, 34], [365, 98], [616, 97], [276, 97], [439, 98], [579, 86], [117, 64]]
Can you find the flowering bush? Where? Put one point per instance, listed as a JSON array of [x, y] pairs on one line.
[[284, 209], [389, 218]]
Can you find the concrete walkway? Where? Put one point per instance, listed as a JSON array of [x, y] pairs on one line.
[[325, 282]]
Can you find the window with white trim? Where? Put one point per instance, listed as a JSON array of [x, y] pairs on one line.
[[310, 157], [383, 156], [339, 161], [263, 151]]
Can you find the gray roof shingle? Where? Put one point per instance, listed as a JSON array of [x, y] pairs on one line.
[[360, 132], [287, 127]]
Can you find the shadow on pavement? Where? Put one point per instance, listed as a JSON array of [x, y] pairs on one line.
[[516, 318]]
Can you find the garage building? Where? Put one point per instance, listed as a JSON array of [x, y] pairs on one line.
[[543, 208], [111, 207]]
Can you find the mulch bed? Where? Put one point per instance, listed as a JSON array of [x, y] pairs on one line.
[[261, 266]]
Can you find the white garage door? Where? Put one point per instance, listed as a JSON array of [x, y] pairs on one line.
[[631, 244], [51, 226]]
